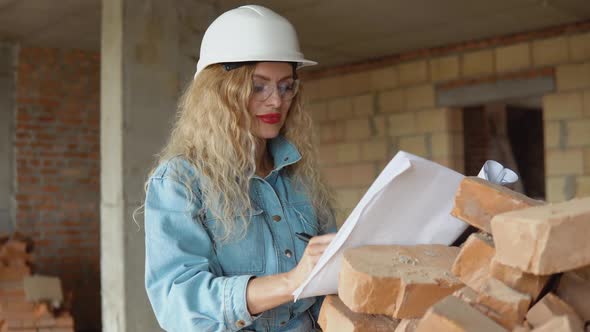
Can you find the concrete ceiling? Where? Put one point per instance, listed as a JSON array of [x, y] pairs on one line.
[[331, 31]]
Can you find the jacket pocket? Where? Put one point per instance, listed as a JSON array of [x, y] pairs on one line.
[[307, 217], [239, 256]]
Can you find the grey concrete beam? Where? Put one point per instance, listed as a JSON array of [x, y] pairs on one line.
[[502, 90], [147, 55]]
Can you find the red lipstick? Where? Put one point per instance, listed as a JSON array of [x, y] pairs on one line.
[[270, 118]]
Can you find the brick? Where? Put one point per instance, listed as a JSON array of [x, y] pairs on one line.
[[363, 105], [552, 133], [358, 129], [350, 175], [24, 311], [454, 315], [12, 290], [12, 247], [312, 90], [339, 109], [557, 189], [414, 144], [413, 72], [573, 76], [578, 133], [562, 106], [442, 145], [447, 145], [580, 47], [564, 162], [513, 57], [575, 290], [478, 200], [420, 97], [455, 163], [522, 328], [402, 123], [548, 307], [407, 325], [380, 125], [472, 263], [333, 132], [508, 306], [43, 288], [466, 294], [13, 273], [384, 78], [582, 186], [561, 324], [374, 150], [336, 317], [341, 153], [550, 51], [544, 239], [445, 68], [344, 85], [398, 281], [392, 101], [431, 121], [348, 198], [318, 111], [478, 63], [516, 279]]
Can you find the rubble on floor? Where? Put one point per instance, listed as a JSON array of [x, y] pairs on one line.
[[526, 269], [18, 313]]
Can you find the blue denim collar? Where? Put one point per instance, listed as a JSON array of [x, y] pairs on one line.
[[284, 152]]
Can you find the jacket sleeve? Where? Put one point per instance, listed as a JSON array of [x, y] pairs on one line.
[[185, 295]]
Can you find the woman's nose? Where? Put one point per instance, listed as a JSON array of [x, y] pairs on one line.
[[274, 99]]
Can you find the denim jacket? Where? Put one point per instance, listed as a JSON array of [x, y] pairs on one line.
[[195, 283]]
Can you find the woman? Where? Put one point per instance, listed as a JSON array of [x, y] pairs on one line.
[[234, 184]]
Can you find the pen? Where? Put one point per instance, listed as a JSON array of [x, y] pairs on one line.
[[304, 237]]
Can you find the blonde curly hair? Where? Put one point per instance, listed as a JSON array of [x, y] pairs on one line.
[[213, 133]]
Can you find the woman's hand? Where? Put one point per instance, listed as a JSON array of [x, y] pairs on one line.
[[314, 250], [264, 293]]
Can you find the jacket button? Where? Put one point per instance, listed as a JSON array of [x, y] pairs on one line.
[[276, 218], [240, 323], [288, 253]]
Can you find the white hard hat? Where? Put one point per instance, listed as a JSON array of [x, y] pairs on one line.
[[250, 33]]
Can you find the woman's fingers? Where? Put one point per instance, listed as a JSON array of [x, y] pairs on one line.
[[315, 250], [322, 239], [318, 244]]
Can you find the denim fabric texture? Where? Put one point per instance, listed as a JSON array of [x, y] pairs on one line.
[[195, 282]]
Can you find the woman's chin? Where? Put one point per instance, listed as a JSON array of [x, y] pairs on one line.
[[267, 132]]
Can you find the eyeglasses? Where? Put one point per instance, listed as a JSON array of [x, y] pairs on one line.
[[262, 90]]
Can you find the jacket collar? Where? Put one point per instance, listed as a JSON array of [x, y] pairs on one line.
[[284, 152]]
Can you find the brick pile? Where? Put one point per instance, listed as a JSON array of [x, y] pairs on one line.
[[17, 314], [527, 268]]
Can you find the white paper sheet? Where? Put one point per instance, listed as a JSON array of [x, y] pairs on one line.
[[409, 203]]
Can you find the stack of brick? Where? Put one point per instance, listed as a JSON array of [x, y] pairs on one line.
[[17, 314], [526, 269]]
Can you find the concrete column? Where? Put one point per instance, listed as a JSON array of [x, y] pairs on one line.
[[7, 121], [148, 54]]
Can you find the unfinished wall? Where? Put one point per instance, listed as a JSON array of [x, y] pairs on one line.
[[365, 113], [7, 96], [57, 157]]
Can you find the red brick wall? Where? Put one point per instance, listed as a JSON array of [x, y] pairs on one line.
[[58, 170]]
